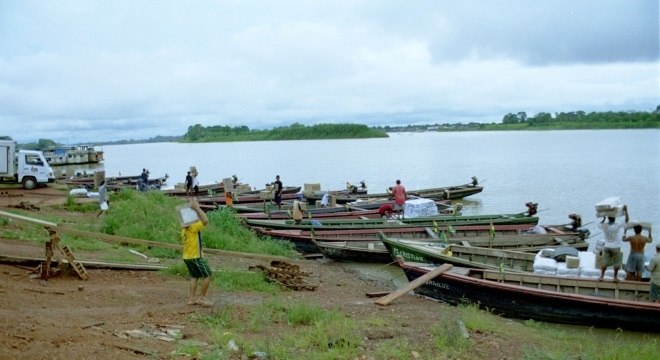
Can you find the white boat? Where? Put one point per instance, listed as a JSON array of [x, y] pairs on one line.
[[80, 154]]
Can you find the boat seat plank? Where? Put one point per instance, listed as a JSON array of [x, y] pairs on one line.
[[431, 233]]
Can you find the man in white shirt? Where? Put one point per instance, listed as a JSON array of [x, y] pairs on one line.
[[611, 254]]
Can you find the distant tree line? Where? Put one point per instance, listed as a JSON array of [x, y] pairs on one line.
[[199, 133], [546, 121], [584, 120]]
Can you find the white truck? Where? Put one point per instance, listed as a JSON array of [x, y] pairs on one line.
[[27, 167]]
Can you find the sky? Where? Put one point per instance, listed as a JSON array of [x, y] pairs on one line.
[[88, 70]]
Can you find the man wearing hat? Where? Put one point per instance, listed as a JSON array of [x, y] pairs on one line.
[[654, 268]]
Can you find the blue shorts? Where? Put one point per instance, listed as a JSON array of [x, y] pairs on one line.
[[635, 263]]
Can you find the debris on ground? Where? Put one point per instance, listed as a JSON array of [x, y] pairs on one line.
[[25, 205], [160, 332]]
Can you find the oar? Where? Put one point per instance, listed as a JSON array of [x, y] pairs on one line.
[[385, 300]]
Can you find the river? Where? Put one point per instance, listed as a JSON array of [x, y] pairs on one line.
[[565, 171]]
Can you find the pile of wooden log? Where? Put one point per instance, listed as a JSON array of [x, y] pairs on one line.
[[285, 274]]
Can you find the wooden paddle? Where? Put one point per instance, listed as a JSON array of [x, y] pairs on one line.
[[385, 300]]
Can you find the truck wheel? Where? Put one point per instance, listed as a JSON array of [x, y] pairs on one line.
[[29, 183]]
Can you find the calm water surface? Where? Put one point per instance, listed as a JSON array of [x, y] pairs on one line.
[[563, 171]]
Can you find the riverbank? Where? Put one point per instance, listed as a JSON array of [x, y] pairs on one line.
[[108, 315]]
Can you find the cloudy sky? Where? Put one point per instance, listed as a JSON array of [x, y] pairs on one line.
[[76, 71]]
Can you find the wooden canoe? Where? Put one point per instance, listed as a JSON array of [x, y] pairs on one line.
[[355, 251], [459, 255], [439, 193], [345, 211], [477, 234], [454, 220]]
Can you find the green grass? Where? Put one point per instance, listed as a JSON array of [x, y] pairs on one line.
[[148, 216], [307, 331], [152, 216]]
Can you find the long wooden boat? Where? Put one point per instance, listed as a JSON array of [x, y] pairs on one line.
[[215, 188], [466, 256], [623, 304], [308, 224], [457, 234], [338, 212], [217, 200], [423, 251], [498, 256], [439, 193], [114, 182], [357, 251], [275, 212], [473, 235]]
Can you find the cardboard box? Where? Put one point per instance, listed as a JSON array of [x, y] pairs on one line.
[[187, 216], [267, 195], [243, 188], [608, 203], [228, 184], [572, 262], [310, 189], [645, 225]]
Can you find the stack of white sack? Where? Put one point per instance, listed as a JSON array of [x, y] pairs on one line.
[[415, 208], [609, 273], [588, 265], [564, 271], [544, 265]]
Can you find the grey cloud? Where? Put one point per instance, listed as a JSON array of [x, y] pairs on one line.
[[556, 32]]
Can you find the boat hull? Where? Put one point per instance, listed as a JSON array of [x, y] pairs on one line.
[[593, 305]]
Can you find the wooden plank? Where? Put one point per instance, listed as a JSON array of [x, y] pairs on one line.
[[26, 219], [431, 233], [414, 284], [465, 243]]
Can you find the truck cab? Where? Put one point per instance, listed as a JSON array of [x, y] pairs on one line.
[[33, 169], [27, 167]]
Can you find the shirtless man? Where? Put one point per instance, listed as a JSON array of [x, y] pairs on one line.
[[635, 264]]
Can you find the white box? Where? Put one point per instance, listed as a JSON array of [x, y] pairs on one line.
[[572, 262], [187, 216], [608, 203], [612, 212]]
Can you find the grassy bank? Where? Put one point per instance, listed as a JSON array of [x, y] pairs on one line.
[[265, 321]]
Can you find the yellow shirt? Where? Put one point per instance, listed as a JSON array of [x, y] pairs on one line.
[[192, 240]]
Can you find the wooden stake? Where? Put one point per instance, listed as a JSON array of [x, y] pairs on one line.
[[385, 300]]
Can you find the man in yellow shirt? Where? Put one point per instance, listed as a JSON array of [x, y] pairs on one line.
[[197, 266]]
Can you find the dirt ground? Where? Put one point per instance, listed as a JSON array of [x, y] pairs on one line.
[[107, 316]]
